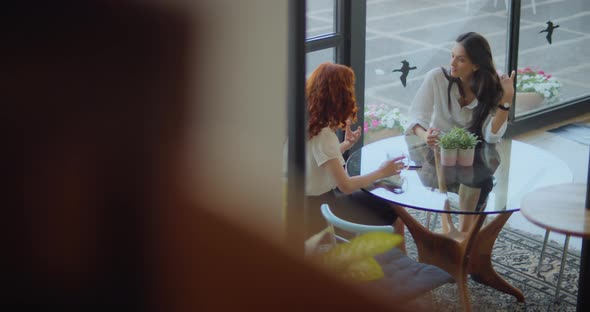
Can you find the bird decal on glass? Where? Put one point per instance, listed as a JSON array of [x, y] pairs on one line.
[[549, 30], [405, 70]]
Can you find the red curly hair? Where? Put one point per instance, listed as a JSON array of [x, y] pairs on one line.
[[330, 97]]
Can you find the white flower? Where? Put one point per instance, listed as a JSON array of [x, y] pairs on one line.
[[390, 123], [529, 80], [379, 116]]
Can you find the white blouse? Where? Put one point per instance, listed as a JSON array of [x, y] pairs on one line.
[[321, 148], [429, 108]]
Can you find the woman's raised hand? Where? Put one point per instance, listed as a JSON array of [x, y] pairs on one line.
[[508, 86], [351, 136], [431, 136]]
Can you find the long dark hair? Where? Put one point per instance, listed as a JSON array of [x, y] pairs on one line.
[[485, 82]]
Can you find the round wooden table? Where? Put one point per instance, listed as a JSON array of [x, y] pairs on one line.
[[559, 208]]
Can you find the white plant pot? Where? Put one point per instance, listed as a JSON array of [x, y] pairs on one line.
[[528, 101], [448, 157], [465, 156]]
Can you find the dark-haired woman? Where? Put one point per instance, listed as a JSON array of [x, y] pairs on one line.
[[469, 94], [331, 105]]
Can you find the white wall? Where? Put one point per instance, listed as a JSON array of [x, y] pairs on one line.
[[239, 121]]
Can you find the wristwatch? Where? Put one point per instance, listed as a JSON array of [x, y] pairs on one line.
[[505, 106]]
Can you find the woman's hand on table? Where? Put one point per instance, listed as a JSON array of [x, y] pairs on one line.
[[392, 166], [431, 136]]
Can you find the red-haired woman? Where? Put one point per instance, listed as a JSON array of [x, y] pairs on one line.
[[331, 105]]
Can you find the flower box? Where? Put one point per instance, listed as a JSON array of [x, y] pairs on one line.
[[381, 122], [380, 134], [537, 81], [528, 101]]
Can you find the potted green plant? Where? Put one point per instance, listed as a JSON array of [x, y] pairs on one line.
[[466, 142], [448, 143]]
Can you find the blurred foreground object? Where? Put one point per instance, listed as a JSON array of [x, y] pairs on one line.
[[354, 260], [97, 210]]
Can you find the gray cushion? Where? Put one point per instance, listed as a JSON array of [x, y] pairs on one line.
[[406, 278]]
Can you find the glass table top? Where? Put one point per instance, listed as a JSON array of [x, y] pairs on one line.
[[501, 175]]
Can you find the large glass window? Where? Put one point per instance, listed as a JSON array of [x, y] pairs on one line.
[[322, 39], [419, 36], [422, 33], [553, 54], [317, 57], [319, 18]]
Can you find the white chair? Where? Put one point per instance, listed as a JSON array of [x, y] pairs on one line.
[[354, 228], [405, 278]]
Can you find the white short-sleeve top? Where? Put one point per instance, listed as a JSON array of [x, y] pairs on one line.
[[321, 148], [430, 109]]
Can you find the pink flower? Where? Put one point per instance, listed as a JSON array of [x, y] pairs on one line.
[[548, 76], [375, 123], [366, 126], [542, 72], [528, 69]]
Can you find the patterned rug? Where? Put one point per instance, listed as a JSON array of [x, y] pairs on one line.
[[515, 256]]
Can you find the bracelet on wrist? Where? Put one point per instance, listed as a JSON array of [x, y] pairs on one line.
[[504, 106]]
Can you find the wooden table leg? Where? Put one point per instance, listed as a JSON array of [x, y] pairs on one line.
[[480, 263], [477, 242], [453, 259]]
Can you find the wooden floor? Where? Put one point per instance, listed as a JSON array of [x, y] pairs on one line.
[[573, 153]]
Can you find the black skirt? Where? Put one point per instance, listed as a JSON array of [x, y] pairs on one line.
[[358, 207]]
